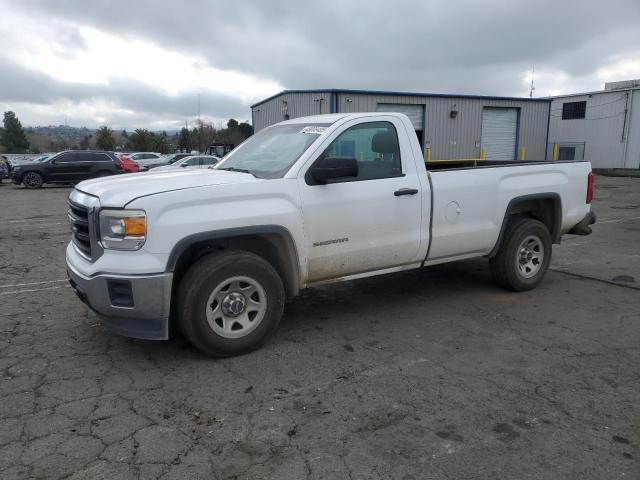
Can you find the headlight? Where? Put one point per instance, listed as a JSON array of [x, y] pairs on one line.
[[123, 229]]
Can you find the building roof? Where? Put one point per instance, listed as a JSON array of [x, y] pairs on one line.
[[402, 94], [595, 92]]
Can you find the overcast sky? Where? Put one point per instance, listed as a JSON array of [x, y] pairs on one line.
[[143, 63]]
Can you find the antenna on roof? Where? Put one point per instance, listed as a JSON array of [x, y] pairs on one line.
[[533, 89]]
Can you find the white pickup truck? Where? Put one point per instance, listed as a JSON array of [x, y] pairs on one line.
[[305, 202]]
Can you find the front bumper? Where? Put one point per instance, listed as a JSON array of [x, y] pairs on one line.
[[135, 306]]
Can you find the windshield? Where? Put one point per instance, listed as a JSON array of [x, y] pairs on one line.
[[272, 151]]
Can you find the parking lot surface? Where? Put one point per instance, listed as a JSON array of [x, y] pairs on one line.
[[427, 374]]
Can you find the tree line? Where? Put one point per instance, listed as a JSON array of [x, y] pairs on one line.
[[14, 139]]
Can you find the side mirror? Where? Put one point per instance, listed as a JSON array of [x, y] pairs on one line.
[[327, 169]]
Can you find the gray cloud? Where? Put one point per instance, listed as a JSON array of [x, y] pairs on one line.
[[21, 85], [442, 46]]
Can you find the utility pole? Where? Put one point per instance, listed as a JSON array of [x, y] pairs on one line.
[[199, 128], [533, 89]]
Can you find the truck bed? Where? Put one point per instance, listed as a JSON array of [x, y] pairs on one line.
[[466, 164]]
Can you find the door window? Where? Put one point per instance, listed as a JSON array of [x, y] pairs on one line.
[[375, 147], [68, 157]]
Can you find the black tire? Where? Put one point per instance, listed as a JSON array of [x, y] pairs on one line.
[[515, 267], [202, 281], [32, 180]]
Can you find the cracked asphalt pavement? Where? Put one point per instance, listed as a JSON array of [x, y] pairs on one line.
[[433, 374]]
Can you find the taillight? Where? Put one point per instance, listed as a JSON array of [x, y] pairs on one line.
[[590, 187]]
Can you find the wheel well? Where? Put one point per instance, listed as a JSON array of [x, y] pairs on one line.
[[545, 208], [273, 247]]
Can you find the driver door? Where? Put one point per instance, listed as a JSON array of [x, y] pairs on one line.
[[361, 224]]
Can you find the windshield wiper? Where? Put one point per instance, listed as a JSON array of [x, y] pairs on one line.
[[234, 169]]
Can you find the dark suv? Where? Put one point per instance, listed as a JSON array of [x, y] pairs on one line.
[[67, 167]]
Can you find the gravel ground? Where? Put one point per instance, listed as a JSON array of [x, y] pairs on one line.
[[428, 374]]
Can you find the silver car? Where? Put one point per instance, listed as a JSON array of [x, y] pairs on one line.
[[194, 161]]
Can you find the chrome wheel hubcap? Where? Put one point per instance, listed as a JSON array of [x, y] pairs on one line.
[[530, 256], [234, 304], [236, 307]]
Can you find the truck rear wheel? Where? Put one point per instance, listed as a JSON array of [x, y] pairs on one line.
[[230, 303], [524, 256]]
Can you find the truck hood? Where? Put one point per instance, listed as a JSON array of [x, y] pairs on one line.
[[119, 190]]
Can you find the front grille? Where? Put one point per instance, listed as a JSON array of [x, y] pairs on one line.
[[79, 221]]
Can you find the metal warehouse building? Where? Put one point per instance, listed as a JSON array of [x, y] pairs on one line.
[[448, 126], [602, 127]]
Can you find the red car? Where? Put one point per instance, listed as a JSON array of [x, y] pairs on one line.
[[128, 165]]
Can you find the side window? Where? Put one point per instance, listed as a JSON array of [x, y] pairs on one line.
[[68, 157], [375, 147], [103, 157], [192, 161], [209, 161]]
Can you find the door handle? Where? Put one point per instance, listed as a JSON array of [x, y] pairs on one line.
[[405, 191]]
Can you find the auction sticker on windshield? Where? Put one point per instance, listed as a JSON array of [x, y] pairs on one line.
[[313, 129]]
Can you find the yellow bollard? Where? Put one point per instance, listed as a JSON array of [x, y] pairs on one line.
[[482, 154], [555, 151], [427, 154], [523, 153]]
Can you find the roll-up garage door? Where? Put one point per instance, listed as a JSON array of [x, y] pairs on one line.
[[414, 112], [499, 131]]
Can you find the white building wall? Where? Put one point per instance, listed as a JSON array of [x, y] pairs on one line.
[[633, 149], [604, 130]]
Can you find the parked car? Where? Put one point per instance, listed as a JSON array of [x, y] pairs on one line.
[[167, 160], [5, 168], [302, 203], [67, 167], [144, 158], [194, 161], [128, 165]]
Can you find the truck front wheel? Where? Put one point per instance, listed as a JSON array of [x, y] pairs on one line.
[[524, 256], [230, 303]]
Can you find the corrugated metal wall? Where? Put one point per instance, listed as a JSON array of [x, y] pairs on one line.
[[449, 138], [297, 105], [633, 150], [601, 130]]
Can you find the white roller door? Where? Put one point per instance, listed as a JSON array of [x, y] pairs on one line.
[[499, 133], [414, 112]]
